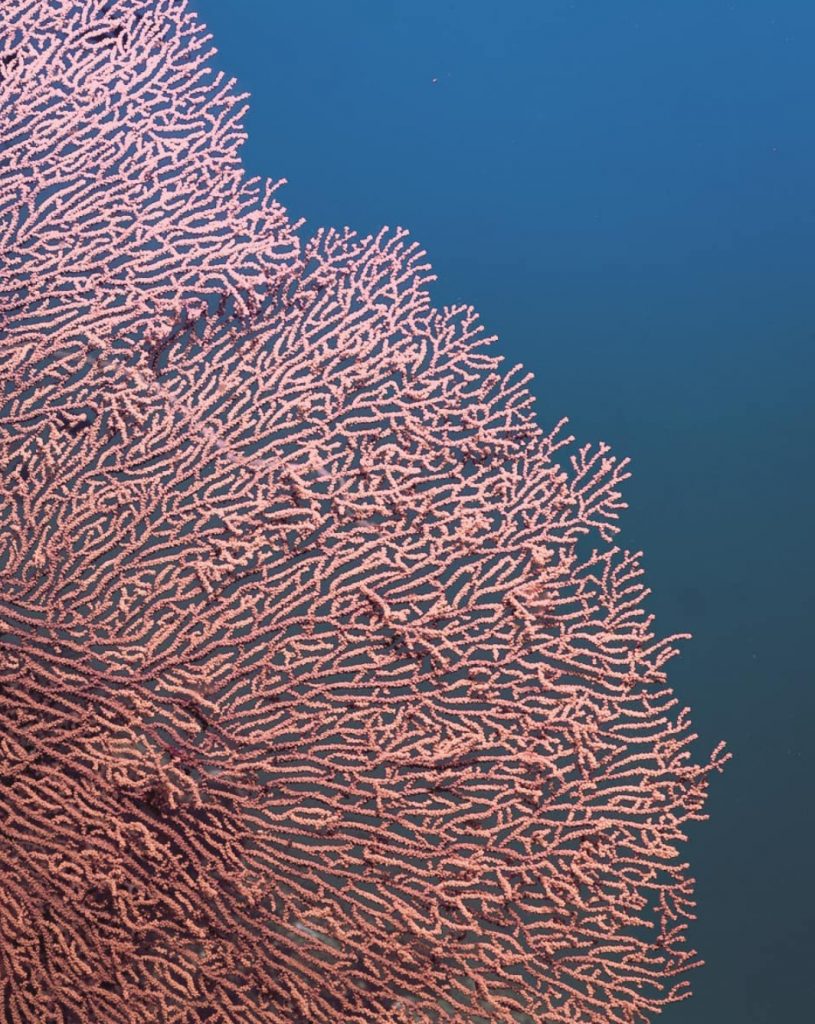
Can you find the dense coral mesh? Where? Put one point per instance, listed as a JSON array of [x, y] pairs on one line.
[[325, 694]]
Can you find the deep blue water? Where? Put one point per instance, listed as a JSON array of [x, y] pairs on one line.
[[625, 192]]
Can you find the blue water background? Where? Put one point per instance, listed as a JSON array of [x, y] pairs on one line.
[[626, 192]]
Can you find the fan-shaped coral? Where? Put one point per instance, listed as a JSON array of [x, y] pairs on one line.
[[325, 694]]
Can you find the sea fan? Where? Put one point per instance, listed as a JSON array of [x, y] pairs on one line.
[[325, 694]]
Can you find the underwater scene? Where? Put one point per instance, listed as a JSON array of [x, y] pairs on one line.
[[405, 447]]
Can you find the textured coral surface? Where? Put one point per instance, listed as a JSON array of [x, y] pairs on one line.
[[325, 694]]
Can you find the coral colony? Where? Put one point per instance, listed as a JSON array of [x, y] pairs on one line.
[[325, 694]]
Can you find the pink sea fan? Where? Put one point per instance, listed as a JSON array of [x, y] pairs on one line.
[[325, 694]]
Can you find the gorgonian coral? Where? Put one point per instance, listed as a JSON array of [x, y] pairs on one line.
[[325, 694]]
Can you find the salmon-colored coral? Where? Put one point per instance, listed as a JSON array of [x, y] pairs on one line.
[[325, 694]]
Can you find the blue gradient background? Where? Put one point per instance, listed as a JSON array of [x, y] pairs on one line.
[[625, 192]]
